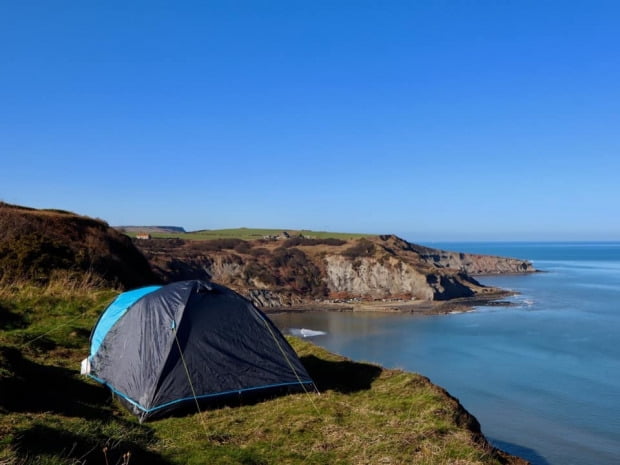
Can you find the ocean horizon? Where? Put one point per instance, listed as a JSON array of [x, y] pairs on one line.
[[542, 375]]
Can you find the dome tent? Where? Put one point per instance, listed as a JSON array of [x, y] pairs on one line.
[[160, 348]]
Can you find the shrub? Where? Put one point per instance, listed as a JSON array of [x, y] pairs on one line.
[[297, 271], [332, 241], [259, 252], [363, 248], [221, 244], [295, 241], [256, 271], [243, 247]]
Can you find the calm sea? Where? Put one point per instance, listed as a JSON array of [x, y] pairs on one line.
[[542, 377]]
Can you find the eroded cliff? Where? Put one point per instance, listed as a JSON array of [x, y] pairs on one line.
[[291, 272]]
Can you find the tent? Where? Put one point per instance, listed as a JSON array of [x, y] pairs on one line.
[[162, 348]]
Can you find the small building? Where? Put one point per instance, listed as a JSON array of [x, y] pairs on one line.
[[143, 236]]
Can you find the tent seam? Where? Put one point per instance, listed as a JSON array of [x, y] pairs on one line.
[[174, 330]]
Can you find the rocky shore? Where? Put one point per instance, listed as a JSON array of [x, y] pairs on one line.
[[418, 307]]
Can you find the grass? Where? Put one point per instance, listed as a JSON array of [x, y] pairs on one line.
[[383, 416], [365, 414], [251, 234]]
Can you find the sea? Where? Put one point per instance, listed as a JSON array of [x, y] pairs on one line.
[[541, 375]]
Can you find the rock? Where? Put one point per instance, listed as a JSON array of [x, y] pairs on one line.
[[373, 268]]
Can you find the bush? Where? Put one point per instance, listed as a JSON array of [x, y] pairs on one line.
[[260, 252], [243, 247], [363, 248], [294, 269], [295, 241], [221, 244], [259, 272], [332, 241], [292, 257]]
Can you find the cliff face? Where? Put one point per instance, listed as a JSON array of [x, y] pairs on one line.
[[294, 272], [393, 277], [473, 264], [375, 278]]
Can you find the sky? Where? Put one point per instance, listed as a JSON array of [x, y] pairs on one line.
[[433, 120]]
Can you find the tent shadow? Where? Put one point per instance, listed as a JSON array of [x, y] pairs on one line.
[[10, 320], [342, 376], [104, 437], [37, 388], [94, 449]]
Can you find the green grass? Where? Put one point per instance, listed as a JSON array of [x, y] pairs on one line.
[[248, 234], [49, 414], [364, 415]]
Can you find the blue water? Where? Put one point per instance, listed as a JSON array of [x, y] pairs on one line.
[[542, 377]]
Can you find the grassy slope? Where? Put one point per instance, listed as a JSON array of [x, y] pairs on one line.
[[51, 415], [39, 245], [251, 234]]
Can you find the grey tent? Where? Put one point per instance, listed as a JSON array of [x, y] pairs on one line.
[[162, 348]]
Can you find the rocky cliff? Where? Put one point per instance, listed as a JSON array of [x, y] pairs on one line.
[[295, 271], [473, 264]]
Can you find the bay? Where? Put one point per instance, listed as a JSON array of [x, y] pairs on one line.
[[542, 376]]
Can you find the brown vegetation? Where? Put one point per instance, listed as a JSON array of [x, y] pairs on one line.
[[36, 244]]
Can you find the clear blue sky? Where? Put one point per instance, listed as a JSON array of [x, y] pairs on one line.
[[434, 120]]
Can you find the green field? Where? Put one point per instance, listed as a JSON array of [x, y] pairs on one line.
[[249, 234]]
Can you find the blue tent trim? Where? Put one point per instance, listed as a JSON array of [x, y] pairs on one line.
[[202, 396], [114, 312]]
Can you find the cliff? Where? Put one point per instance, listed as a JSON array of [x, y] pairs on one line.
[[297, 271], [39, 245], [473, 264]]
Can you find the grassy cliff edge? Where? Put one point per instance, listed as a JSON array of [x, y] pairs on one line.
[[364, 413]]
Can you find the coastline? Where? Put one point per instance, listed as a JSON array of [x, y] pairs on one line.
[[418, 307]]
